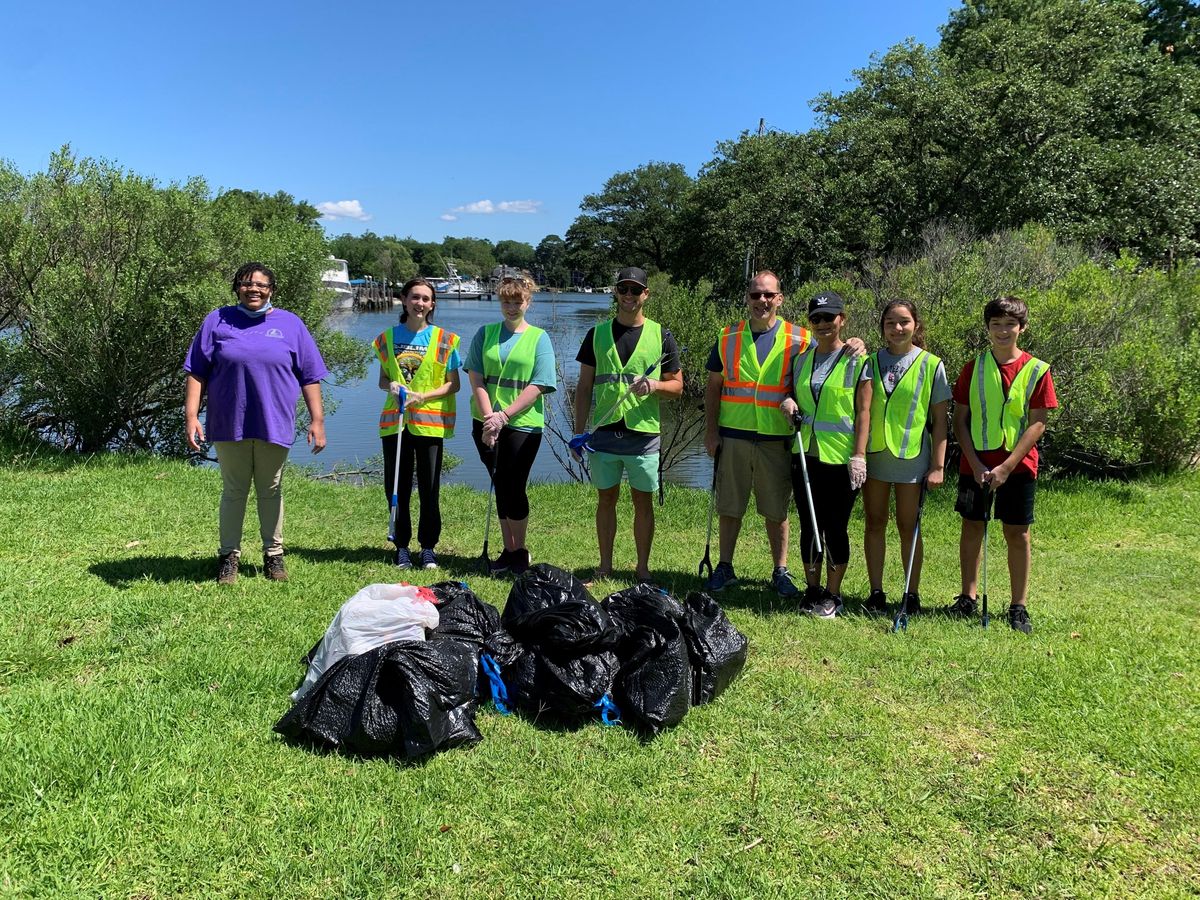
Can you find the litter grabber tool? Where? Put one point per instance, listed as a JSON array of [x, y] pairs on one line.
[[812, 510], [580, 442], [901, 621], [988, 495], [706, 563], [484, 561], [394, 505]]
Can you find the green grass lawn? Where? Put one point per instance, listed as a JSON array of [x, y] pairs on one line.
[[137, 699]]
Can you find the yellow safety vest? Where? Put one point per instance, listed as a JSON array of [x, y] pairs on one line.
[[612, 378], [751, 394], [999, 419], [505, 382], [898, 421], [435, 418], [830, 416]]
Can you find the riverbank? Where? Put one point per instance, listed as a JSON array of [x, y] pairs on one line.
[[137, 701]]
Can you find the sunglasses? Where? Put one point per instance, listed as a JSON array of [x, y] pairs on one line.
[[821, 318], [763, 295], [630, 289]]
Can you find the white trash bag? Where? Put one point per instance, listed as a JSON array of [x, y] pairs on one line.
[[378, 614]]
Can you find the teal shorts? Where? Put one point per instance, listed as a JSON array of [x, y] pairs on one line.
[[606, 471]]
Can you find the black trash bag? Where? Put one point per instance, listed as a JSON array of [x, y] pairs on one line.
[[629, 608], [462, 616], [324, 715], [567, 686], [653, 688], [432, 688], [551, 610], [718, 650]]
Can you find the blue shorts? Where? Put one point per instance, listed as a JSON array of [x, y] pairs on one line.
[[606, 469]]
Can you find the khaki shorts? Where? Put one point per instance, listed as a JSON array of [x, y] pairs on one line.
[[762, 466]]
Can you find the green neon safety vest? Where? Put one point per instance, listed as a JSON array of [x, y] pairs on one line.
[[750, 394], [435, 418], [998, 420], [898, 422], [830, 416], [505, 382], [613, 379]]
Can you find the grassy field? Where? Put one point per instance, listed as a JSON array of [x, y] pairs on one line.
[[137, 699]]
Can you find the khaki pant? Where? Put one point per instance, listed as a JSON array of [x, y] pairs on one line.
[[242, 462]]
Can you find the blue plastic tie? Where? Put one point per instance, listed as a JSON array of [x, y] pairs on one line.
[[491, 669], [609, 713]]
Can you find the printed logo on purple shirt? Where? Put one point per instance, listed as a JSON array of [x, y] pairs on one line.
[[274, 333]]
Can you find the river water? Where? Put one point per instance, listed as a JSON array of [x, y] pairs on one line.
[[352, 428]]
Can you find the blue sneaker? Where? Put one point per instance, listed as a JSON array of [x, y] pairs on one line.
[[781, 581], [721, 578], [403, 558], [427, 560]]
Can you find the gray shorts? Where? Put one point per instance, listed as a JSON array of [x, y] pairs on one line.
[[883, 465]]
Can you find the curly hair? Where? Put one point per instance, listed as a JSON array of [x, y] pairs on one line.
[[918, 338]]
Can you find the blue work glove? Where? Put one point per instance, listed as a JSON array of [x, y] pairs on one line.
[[578, 444]]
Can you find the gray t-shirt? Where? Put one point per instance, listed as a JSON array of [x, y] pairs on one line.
[[883, 465], [823, 364]]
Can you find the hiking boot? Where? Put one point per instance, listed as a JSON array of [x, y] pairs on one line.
[[828, 607], [781, 581], [227, 568], [403, 558], [963, 607], [721, 578], [519, 561], [500, 564], [1018, 619], [876, 601], [911, 602], [274, 568], [427, 559]]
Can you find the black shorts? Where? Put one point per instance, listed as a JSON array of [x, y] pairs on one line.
[[1013, 503]]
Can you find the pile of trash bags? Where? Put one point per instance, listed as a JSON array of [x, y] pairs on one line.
[[401, 669]]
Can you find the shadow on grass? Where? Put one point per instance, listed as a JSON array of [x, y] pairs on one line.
[[164, 569]]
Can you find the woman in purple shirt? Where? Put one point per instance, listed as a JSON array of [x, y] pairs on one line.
[[254, 361]]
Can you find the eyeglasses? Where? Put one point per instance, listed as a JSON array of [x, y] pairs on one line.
[[821, 318], [628, 289], [254, 284], [762, 295]]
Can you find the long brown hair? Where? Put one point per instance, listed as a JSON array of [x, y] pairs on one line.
[[918, 337], [408, 286]]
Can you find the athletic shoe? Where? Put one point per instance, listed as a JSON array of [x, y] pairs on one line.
[[519, 561], [781, 581], [1018, 619], [877, 601], [403, 558], [274, 568], [427, 559], [911, 602], [227, 568], [813, 595], [500, 564], [828, 607], [963, 607], [721, 578]]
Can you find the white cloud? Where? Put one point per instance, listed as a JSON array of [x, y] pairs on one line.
[[447, 217], [343, 209], [487, 208]]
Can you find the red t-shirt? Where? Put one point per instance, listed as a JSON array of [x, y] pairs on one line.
[[1043, 397]]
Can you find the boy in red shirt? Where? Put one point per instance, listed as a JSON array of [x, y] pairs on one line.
[[1001, 401]]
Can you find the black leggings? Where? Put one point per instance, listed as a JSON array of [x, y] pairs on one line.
[[515, 451], [425, 453], [833, 500]]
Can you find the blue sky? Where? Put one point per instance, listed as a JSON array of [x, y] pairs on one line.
[[482, 119]]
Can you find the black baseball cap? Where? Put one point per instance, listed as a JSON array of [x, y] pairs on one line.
[[634, 274], [829, 302]]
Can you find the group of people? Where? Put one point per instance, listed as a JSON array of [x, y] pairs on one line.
[[791, 412]]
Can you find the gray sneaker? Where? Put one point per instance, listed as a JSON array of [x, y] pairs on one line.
[[828, 607], [427, 559], [721, 578], [403, 558], [781, 581]]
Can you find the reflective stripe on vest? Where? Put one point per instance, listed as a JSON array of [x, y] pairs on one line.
[[898, 420], [612, 378], [750, 394], [435, 418], [830, 415], [998, 419], [505, 382]]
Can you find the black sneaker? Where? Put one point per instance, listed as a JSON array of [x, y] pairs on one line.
[[722, 577], [911, 602], [500, 564], [1018, 619], [813, 595], [227, 568], [963, 607], [829, 607], [274, 568], [876, 601], [519, 561], [403, 558]]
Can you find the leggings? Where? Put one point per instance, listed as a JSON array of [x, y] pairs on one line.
[[509, 463], [833, 500], [425, 454]]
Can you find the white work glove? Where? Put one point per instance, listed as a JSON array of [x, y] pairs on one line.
[[789, 408], [858, 472], [394, 388]]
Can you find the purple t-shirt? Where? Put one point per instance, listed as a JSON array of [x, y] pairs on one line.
[[254, 369]]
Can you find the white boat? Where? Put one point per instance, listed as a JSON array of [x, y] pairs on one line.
[[337, 279], [455, 287]]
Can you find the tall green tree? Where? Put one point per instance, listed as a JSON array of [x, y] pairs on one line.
[[551, 259], [262, 210], [636, 212], [515, 253]]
